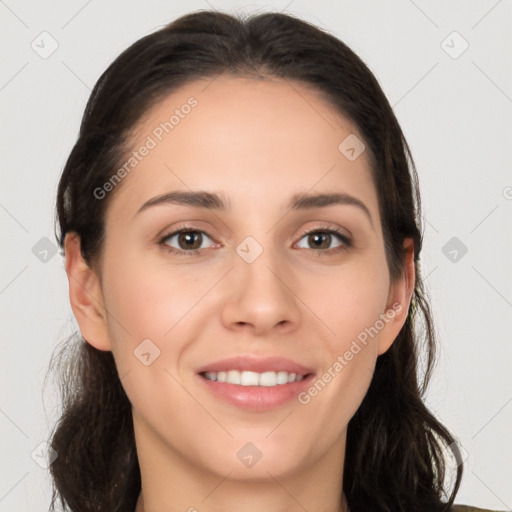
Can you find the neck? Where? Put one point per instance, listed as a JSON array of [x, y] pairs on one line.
[[340, 507]]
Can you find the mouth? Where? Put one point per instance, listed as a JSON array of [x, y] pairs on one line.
[[255, 384]]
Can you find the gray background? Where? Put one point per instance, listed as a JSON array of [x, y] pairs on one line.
[[455, 110]]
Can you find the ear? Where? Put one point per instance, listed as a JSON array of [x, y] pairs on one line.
[[85, 295], [399, 300]]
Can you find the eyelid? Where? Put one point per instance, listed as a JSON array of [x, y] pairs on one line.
[[343, 233]]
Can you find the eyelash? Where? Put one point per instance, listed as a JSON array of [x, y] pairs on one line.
[[347, 243]]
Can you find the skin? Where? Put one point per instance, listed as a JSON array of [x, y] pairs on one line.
[[256, 143]]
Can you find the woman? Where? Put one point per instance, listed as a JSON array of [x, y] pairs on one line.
[[241, 226]]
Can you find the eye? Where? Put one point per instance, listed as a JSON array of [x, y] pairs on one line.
[[189, 241], [321, 239]]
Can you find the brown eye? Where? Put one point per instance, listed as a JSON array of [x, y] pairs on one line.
[[322, 239], [187, 241]]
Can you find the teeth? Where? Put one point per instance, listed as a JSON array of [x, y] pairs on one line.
[[282, 378], [253, 378], [249, 379], [233, 377], [268, 379]]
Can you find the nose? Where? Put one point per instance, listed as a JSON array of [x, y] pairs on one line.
[[260, 296]]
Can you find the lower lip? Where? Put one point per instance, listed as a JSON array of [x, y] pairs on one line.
[[257, 398]]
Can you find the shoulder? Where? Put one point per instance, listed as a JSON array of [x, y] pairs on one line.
[[467, 508]]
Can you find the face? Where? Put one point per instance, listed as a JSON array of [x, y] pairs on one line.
[[257, 272]]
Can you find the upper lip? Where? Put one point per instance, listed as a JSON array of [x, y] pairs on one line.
[[256, 364]]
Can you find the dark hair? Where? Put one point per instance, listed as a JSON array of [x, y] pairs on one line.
[[394, 456]]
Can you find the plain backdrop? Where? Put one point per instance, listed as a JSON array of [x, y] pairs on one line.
[[445, 67]]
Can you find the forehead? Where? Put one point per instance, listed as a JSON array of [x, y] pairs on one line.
[[251, 140]]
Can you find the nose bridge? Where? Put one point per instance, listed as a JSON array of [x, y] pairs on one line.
[[260, 292], [259, 266]]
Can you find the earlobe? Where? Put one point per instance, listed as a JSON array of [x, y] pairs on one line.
[[85, 295], [399, 299]]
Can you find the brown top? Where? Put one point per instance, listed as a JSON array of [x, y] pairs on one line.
[[467, 508]]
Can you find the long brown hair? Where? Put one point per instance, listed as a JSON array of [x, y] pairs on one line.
[[395, 446]]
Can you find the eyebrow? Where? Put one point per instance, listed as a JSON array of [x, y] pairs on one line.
[[210, 200]]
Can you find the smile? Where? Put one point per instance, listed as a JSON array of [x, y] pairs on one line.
[[247, 378]]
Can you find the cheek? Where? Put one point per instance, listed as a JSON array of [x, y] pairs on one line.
[[149, 300], [156, 314], [349, 301], [153, 315]]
